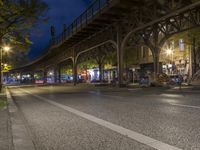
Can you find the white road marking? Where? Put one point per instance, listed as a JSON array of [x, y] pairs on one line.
[[105, 95], [188, 106], [172, 95], [123, 131], [135, 89], [180, 105], [111, 96]]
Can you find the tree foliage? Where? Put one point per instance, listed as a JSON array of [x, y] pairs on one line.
[[85, 61], [17, 18], [99, 57], [6, 68], [102, 55], [67, 69]]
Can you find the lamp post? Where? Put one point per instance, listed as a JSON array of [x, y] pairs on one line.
[[6, 49]]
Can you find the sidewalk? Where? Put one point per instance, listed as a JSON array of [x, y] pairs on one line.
[[5, 125]]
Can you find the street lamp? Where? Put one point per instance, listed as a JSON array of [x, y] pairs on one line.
[[6, 49], [169, 52]]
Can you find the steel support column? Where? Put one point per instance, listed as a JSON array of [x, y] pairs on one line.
[[55, 75], [56, 72], [75, 72], [59, 74], [156, 64], [154, 42], [45, 75], [20, 79], [32, 77], [120, 67], [74, 67]]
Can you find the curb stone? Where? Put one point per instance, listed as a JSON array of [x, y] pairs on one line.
[[20, 136]]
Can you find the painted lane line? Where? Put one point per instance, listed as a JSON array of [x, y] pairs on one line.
[[180, 105], [111, 96], [172, 95], [135, 89], [188, 106], [105, 95], [123, 131]]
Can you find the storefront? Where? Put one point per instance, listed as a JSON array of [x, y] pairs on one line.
[[50, 76], [66, 74], [110, 74], [176, 58], [93, 75]]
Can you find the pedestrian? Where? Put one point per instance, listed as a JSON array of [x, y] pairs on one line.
[[180, 81]]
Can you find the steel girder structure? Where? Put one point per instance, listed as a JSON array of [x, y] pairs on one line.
[[121, 23], [141, 25], [111, 31], [155, 33]]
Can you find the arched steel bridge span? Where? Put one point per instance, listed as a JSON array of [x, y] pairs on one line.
[[122, 24]]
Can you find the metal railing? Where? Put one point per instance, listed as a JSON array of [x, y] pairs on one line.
[[86, 17]]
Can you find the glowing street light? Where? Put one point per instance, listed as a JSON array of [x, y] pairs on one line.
[[18, 77], [169, 51], [6, 48]]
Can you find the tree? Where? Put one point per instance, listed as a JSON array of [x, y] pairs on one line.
[[18, 59], [86, 61], [17, 18], [99, 57]]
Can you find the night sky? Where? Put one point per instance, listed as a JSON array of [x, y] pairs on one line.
[[60, 12]]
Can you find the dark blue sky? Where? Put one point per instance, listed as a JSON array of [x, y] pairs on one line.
[[60, 12]]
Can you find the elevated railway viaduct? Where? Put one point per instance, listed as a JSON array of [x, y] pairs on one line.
[[119, 24]]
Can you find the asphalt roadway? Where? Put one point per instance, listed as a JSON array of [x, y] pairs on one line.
[[106, 118]]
